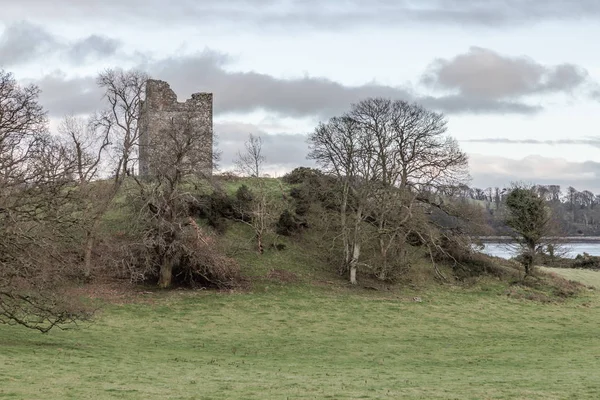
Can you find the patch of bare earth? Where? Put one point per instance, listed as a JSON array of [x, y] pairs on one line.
[[112, 291], [282, 276]]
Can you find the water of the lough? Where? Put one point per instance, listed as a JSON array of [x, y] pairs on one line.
[[569, 249]]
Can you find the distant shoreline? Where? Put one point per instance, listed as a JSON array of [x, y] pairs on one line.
[[565, 239]]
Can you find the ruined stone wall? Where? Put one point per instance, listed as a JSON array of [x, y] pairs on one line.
[[160, 113]]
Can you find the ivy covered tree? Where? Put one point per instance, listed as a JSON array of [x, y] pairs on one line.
[[531, 222]]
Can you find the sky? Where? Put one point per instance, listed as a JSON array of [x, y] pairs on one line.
[[518, 80]]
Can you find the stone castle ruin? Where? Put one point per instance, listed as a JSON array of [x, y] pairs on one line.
[[160, 113]]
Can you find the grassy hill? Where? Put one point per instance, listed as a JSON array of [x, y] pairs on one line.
[[298, 330]]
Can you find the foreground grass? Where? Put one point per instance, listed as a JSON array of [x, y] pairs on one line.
[[301, 342]]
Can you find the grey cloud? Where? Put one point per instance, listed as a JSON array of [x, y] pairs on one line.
[[239, 92], [248, 91], [24, 42], [242, 92], [565, 77], [461, 104], [489, 171], [62, 95], [595, 142], [93, 46], [483, 74], [307, 96], [322, 14], [595, 93], [282, 151]]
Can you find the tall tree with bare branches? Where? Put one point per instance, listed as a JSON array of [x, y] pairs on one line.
[[339, 147], [163, 200], [38, 211], [123, 92], [110, 138], [385, 153], [250, 161], [87, 146]]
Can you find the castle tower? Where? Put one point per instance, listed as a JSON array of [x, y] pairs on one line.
[[158, 115]]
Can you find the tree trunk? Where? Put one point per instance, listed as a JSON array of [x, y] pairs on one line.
[[92, 231], [529, 259], [527, 268], [355, 246], [125, 164], [383, 250], [259, 243], [353, 274], [343, 219], [354, 262], [166, 273], [89, 248], [90, 243]]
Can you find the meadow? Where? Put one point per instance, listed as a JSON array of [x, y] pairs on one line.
[[298, 341]]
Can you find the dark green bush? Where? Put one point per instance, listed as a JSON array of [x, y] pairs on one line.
[[301, 175], [586, 261], [244, 194], [288, 224], [216, 208]]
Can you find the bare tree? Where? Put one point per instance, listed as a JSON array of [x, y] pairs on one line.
[[250, 161], [38, 210], [554, 192], [115, 129], [123, 92], [163, 200], [409, 151], [386, 154], [87, 146], [261, 211], [339, 149]]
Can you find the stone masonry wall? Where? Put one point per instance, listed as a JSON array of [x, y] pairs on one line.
[[157, 114]]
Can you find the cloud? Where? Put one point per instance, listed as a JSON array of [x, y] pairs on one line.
[[62, 95], [306, 96], [595, 93], [249, 91], [24, 42], [92, 47], [236, 92], [491, 171], [595, 142], [460, 104], [484, 75], [314, 14]]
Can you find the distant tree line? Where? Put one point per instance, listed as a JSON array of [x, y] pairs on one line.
[[577, 212]]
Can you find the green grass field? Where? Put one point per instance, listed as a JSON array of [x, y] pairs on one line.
[[315, 342], [585, 276]]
